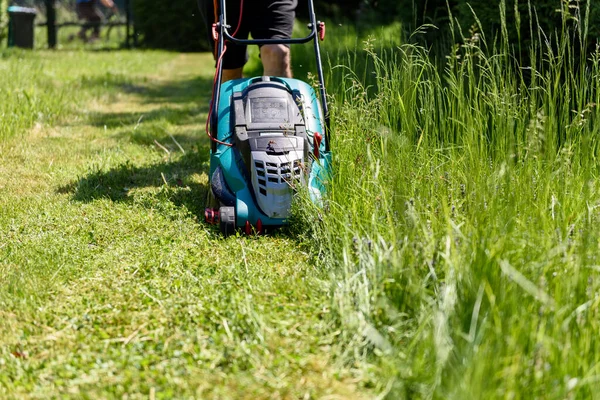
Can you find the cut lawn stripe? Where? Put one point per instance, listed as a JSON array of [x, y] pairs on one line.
[[111, 285]]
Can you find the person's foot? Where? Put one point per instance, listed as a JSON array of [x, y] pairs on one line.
[[94, 38]]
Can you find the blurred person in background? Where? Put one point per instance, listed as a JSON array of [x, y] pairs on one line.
[[88, 11]]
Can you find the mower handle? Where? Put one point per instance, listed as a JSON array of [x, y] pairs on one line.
[[262, 42], [313, 25]]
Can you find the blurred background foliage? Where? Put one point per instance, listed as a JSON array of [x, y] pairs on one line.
[[3, 19], [179, 26], [65, 9], [175, 25], [548, 15]]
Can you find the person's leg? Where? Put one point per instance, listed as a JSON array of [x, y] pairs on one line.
[[231, 74], [96, 18], [81, 15], [276, 21], [82, 34], [235, 56], [276, 60]]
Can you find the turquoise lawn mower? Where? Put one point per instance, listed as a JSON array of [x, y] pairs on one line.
[[269, 138]]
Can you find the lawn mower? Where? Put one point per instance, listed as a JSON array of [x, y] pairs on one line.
[[269, 138]]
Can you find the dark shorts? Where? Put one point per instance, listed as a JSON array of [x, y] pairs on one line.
[[263, 19]]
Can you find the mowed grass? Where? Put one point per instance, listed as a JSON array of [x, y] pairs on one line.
[[111, 285]]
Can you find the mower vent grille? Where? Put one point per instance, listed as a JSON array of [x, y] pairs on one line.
[[275, 173]]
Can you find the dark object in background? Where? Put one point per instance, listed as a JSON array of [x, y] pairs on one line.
[[174, 25], [51, 23], [21, 27]]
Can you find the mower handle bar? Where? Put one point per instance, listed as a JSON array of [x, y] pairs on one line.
[[225, 29], [262, 42]]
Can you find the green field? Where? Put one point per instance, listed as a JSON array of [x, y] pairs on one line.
[[457, 257]]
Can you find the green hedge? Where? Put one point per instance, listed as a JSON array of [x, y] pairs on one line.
[[414, 13], [179, 26], [546, 15], [175, 25], [3, 20]]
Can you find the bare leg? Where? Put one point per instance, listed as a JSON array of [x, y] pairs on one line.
[[95, 33], [276, 60], [230, 74], [82, 34]]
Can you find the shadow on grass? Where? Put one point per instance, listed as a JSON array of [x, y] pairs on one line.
[[178, 178], [183, 102], [191, 114], [192, 90], [157, 135]]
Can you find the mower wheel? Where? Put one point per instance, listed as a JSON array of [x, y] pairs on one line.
[[227, 223]]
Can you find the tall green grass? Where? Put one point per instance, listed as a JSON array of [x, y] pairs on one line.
[[463, 216]]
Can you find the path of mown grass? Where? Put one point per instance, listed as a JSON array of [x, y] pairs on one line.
[[109, 282]]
